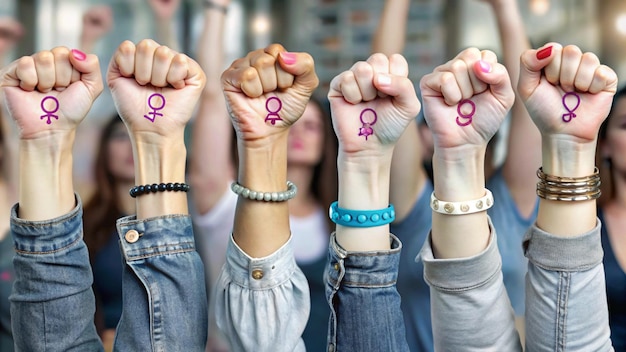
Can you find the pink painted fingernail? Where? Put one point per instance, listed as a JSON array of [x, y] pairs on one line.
[[484, 66], [544, 53], [79, 55], [288, 58]]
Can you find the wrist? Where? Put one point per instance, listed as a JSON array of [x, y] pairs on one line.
[[363, 181], [161, 162], [459, 175], [263, 165], [562, 156]]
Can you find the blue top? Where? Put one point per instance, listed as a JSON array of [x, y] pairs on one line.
[[315, 333], [414, 291], [615, 290], [7, 276], [510, 226], [107, 281]]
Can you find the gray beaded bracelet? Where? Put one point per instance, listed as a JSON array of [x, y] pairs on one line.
[[265, 196]]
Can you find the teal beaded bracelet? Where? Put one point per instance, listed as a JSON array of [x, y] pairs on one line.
[[361, 218]]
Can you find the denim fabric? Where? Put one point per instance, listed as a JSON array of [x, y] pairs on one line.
[[566, 306], [52, 304], [164, 293], [262, 304], [365, 304], [470, 307]]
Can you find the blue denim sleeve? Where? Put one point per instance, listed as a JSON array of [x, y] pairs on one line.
[[52, 305], [164, 293], [566, 307], [262, 304], [365, 303], [470, 307]]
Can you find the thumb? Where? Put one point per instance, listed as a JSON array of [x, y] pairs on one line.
[[89, 67], [300, 65], [401, 89], [532, 62], [497, 77]]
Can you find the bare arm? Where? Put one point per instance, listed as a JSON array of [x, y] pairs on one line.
[[164, 11], [97, 21], [524, 141], [407, 174], [211, 157]]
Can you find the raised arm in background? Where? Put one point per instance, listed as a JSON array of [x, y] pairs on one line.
[[407, 172], [97, 21], [164, 11]]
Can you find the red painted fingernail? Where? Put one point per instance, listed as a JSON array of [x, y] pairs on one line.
[[484, 66], [544, 53], [79, 55], [288, 58]]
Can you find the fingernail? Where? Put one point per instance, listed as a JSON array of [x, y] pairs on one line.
[[79, 55], [288, 58], [484, 66], [544, 53], [383, 79]]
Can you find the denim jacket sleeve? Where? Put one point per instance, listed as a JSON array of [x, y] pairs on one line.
[[262, 304], [566, 307], [164, 292], [163, 282], [470, 307], [365, 303], [52, 305]]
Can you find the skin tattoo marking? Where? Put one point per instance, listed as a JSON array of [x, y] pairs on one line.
[[468, 117], [155, 109], [570, 112], [49, 113], [273, 106], [366, 130]]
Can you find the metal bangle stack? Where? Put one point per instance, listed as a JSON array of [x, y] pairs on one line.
[[568, 189]]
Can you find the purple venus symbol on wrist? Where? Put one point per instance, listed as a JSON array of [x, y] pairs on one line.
[[155, 109], [468, 117], [49, 113], [567, 117], [366, 130], [273, 105]]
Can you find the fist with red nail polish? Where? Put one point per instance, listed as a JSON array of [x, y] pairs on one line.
[[550, 74]]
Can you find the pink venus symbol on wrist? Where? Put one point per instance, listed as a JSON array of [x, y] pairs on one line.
[[567, 117], [272, 115], [366, 130], [49, 113], [468, 116], [155, 109]]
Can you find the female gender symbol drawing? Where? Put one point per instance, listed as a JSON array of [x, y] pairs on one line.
[[367, 130], [272, 115], [155, 109], [49, 113], [567, 117], [467, 116]]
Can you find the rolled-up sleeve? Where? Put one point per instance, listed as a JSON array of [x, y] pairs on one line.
[[262, 304]]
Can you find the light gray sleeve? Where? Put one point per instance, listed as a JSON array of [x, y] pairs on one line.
[[469, 304], [566, 306], [262, 304]]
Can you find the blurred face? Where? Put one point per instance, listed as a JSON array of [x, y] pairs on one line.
[[306, 138], [120, 154], [615, 143]]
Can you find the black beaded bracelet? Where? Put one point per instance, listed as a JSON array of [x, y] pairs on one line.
[[160, 187], [208, 4]]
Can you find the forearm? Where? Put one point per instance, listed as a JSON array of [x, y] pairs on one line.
[[46, 188], [166, 34], [159, 160], [390, 35], [262, 168], [459, 176], [364, 185], [563, 157]]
